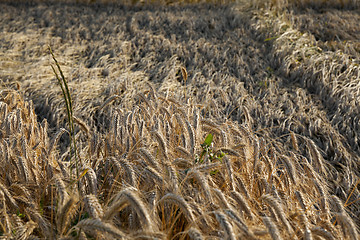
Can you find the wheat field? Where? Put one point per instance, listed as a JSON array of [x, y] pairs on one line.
[[180, 120]]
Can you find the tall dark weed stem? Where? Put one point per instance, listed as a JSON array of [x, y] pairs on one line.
[[69, 109]]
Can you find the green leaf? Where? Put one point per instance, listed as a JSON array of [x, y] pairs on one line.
[[270, 38], [208, 140]]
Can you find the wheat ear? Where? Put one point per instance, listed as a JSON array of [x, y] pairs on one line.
[[8, 197], [23, 232], [89, 225], [223, 203], [192, 138], [195, 234], [242, 203], [224, 223], [241, 225], [318, 231], [154, 174], [290, 168], [93, 206], [65, 213], [272, 228], [183, 205], [129, 196], [149, 158], [348, 226], [230, 171], [162, 143], [316, 156], [305, 222], [300, 199], [273, 203]]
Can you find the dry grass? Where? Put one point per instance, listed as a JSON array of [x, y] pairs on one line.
[[281, 162]]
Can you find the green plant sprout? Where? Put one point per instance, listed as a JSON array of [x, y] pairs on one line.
[[209, 151]]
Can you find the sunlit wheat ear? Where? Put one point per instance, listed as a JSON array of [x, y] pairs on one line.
[[182, 163], [10, 201], [108, 101], [230, 171], [202, 181], [147, 235], [24, 232], [208, 167], [192, 137], [272, 228], [179, 120], [294, 141], [290, 168], [61, 189], [256, 153], [148, 157], [241, 185], [93, 206], [91, 181], [243, 204], [300, 199], [172, 174], [24, 171], [194, 234], [155, 175], [305, 222], [196, 121], [320, 232], [316, 156], [6, 225], [209, 125], [142, 97], [224, 223], [274, 204], [239, 222], [223, 203], [323, 197], [162, 143], [119, 161], [42, 222], [165, 112], [181, 203], [24, 147], [89, 225], [183, 152], [129, 197], [56, 139], [229, 151], [82, 125], [338, 205], [65, 213], [348, 226]]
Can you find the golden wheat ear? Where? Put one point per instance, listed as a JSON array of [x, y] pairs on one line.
[[90, 225], [130, 197]]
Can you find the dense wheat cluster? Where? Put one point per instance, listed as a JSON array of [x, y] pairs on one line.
[[235, 121]]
